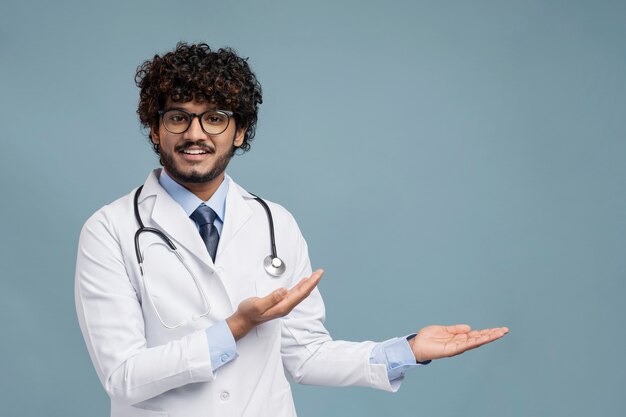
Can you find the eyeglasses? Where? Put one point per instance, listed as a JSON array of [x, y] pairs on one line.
[[213, 122]]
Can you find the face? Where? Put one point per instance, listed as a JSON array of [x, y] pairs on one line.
[[195, 158]]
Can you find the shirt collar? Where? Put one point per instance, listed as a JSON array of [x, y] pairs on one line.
[[189, 201]]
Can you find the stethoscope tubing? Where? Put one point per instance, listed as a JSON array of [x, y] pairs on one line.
[[270, 220], [272, 263], [142, 229]]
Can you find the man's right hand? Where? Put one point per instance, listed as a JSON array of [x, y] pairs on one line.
[[256, 310]]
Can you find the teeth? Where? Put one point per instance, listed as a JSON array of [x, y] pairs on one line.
[[194, 151]]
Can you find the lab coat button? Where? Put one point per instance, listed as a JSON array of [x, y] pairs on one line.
[[225, 395]]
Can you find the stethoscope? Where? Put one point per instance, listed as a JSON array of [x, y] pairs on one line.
[[273, 265]]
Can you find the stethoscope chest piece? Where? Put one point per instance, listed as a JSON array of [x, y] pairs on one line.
[[274, 265]]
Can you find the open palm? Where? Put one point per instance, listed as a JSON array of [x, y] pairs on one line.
[[434, 342]]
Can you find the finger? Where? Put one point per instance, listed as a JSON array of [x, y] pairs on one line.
[[295, 296], [306, 285], [310, 282], [503, 330], [272, 299], [496, 331], [487, 336], [303, 288]]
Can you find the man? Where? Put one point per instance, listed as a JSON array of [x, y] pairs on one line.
[[178, 312]]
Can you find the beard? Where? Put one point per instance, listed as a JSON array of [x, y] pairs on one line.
[[195, 176]]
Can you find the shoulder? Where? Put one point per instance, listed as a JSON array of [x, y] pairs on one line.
[[112, 217], [277, 210], [120, 212], [289, 240]]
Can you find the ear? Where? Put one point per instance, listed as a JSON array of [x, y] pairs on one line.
[[154, 135], [239, 136]]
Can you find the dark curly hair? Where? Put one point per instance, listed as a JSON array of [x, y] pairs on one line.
[[195, 72]]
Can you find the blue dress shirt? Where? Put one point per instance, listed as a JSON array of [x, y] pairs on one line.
[[394, 353]]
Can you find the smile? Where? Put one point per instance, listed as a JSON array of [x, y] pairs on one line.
[[194, 151]]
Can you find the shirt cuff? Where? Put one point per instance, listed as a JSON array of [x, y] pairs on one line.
[[396, 355], [222, 346]]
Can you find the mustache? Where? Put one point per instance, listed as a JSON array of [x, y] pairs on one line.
[[199, 144]]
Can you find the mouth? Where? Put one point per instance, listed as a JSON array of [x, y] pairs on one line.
[[194, 152]]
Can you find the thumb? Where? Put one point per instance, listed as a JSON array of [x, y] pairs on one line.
[[458, 329], [273, 298]]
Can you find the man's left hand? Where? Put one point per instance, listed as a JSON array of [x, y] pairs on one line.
[[434, 342]]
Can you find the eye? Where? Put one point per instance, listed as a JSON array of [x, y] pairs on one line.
[[215, 118], [176, 117]]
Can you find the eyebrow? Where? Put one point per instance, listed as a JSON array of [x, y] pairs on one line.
[[185, 110]]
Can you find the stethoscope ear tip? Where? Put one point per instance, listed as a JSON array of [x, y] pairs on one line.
[[274, 266]]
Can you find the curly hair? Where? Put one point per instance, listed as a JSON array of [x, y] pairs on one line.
[[195, 72]]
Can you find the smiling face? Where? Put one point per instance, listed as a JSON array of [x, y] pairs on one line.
[[195, 159]]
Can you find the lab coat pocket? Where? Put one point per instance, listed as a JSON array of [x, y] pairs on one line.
[[170, 286], [281, 404]]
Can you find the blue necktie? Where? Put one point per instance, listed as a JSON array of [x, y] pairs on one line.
[[204, 217]]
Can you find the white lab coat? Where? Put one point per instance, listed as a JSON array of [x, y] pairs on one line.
[[149, 370]]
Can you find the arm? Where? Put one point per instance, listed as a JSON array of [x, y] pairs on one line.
[[309, 353], [111, 319], [312, 357]]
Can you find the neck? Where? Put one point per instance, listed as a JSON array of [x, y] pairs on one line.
[[202, 190]]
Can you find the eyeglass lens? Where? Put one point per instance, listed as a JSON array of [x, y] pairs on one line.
[[213, 122]]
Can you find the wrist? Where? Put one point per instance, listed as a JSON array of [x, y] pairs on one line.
[[418, 356], [238, 325]]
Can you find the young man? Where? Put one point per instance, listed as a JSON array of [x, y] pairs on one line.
[[182, 313]]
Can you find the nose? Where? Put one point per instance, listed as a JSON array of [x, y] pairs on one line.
[[195, 131]]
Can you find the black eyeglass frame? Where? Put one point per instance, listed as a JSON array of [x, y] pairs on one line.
[[228, 114]]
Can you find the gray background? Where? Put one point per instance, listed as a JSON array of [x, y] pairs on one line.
[[448, 161]]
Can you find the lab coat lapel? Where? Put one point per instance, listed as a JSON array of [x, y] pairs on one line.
[[172, 219], [238, 212]]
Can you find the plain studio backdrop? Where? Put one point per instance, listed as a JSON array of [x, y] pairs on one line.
[[447, 161]]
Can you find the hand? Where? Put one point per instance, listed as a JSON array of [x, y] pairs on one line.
[[434, 342], [256, 310]]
